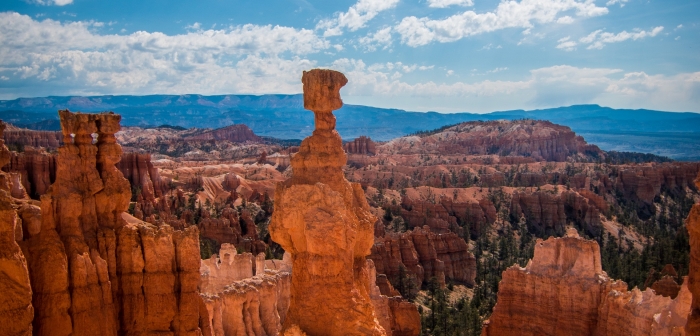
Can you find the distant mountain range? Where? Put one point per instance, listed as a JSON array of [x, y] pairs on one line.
[[676, 135]]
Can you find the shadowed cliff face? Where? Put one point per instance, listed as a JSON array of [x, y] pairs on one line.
[[324, 222], [693, 225]]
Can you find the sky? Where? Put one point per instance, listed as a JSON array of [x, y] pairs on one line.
[[417, 55]]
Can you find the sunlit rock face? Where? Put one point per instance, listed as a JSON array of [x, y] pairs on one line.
[[564, 291], [90, 272], [324, 222]]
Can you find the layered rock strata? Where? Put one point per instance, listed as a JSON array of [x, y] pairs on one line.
[[138, 169], [16, 310], [564, 291], [91, 272], [233, 133], [239, 303], [361, 145], [25, 137], [324, 222], [425, 254], [36, 169]]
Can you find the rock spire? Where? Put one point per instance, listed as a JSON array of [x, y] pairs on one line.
[[324, 222]]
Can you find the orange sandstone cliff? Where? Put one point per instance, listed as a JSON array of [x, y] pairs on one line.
[[90, 271], [324, 222], [16, 311], [564, 291]]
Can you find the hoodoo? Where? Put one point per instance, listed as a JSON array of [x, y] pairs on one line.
[[324, 222]]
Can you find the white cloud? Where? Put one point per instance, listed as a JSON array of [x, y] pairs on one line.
[[497, 70], [598, 39], [679, 27], [612, 2], [565, 20], [380, 38], [448, 3], [490, 46], [544, 87], [566, 44], [69, 58], [51, 2], [509, 14], [356, 17]]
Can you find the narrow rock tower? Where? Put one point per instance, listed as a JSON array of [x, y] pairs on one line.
[[324, 222]]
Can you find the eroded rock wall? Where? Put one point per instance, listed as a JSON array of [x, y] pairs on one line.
[[16, 310], [564, 291], [91, 272], [425, 254], [25, 137]]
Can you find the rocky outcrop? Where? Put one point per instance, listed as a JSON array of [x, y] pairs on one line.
[[242, 297], [692, 223], [564, 291], [324, 222], [549, 212], [442, 210], [361, 145], [91, 272], [36, 168], [424, 254], [138, 169], [25, 137], [397, 316], [16, 310], [541, 140], [233, 133]]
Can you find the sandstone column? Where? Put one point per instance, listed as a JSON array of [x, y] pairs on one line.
[[324, 222]]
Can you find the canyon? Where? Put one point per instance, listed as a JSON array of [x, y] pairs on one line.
[[522, 225]]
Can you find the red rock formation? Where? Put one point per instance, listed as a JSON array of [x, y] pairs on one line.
[[91, 272], [397, 316], [362, 145], [550, 212], [564, 291], [692, 223], [644, 182], [425, 254], [25, 137], [16, 311], [36, 168], [138, 169], [432, 207], [324, 222], [233, 133], [541, 140]]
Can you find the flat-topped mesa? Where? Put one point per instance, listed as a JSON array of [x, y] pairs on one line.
[[324, 222]]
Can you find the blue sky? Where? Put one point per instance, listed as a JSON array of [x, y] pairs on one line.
[[419, 55]]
